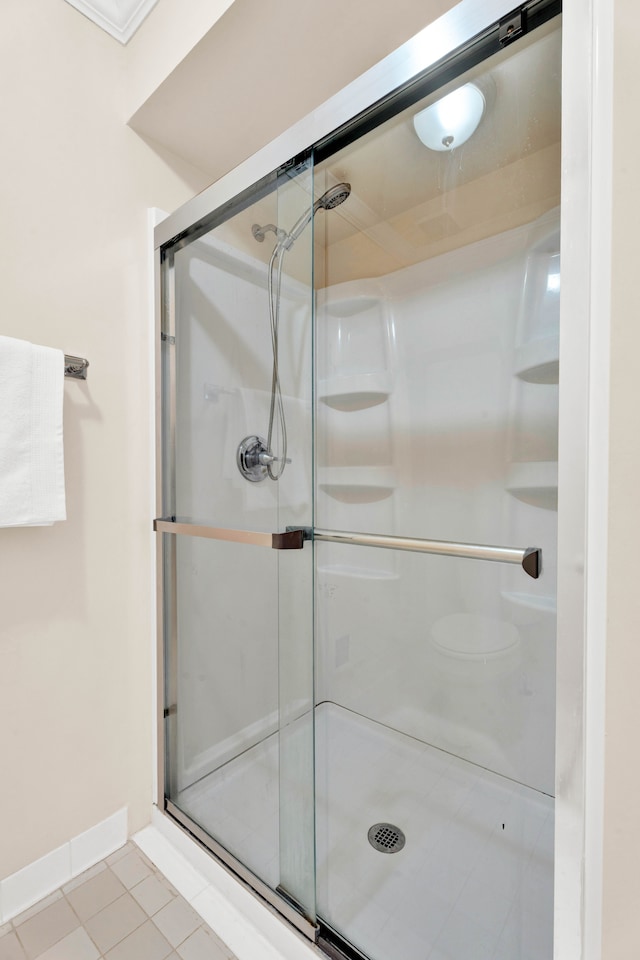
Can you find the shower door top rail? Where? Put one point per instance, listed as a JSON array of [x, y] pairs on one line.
[[529, 558]]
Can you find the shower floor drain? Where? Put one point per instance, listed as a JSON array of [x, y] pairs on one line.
[[386, 838]]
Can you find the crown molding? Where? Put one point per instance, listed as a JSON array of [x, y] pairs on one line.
[[120, 18]]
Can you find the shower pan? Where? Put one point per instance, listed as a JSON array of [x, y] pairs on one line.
[[357, 518]]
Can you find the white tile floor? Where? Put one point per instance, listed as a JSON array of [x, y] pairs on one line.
[[120, 909], [475, 879]]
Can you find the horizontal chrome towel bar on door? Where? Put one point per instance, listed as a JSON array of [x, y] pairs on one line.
[[530, 558], [291, 540]]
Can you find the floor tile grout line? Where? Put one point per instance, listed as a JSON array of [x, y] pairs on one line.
[[82, 924], [121, 897], [21, 941], [191, 934]]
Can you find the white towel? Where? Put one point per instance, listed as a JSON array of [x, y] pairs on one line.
[[31, 447]]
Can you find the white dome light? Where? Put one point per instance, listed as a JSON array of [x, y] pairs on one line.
[[449, 122]]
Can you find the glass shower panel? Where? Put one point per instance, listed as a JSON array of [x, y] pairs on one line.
[[450, 757], [437, 398], [224, 768], [223, 373], [239, 698]]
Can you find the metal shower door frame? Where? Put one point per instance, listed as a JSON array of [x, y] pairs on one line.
[[583, 429]]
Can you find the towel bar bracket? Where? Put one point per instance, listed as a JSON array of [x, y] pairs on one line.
[[75, 368], [290, 540]]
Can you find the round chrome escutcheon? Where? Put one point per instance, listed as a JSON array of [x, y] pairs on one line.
[[248, 458]]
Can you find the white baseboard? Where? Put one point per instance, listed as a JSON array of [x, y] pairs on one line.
[[21, 890], [247, 927]]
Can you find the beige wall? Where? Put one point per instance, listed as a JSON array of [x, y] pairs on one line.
[[267, 64], [621, 920], [75, 648], [164, 39]]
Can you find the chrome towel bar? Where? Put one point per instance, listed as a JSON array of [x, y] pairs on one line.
[[529, 558]]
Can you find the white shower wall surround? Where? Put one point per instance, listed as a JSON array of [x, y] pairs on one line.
[[233, 626], [432, 381], [221, 285], [455, 407]]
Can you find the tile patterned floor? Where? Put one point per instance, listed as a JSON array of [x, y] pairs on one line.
[[121, 909]]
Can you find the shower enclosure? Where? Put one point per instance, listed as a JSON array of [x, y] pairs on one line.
[[358, 511]]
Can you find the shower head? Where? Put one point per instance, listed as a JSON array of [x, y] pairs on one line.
[[331, 198]]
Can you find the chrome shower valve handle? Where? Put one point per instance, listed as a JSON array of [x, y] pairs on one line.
[[266, 457], [254, 457]]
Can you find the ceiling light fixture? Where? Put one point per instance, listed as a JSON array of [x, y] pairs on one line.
[[449, 122]]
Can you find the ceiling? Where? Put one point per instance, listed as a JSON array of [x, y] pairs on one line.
[[412, 203], [408, 203], [120, 18]]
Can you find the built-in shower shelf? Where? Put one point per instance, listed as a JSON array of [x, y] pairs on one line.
[[355, 392], [356, 493], [537, 360], [357, 484], [535, 483]]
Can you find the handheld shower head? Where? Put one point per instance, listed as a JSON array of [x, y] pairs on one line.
[[284, 241], [331, 198]]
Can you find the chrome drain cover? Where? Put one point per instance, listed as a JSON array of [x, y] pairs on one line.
[[386, 838]]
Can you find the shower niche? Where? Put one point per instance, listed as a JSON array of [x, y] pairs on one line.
[[354, 425], [358, 514], [357, 333]]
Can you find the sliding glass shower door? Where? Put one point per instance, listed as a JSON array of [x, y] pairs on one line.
[[237, 442], [359, 516], [436, 518]]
